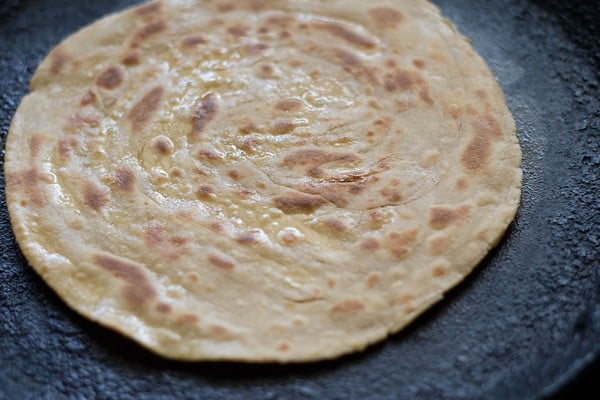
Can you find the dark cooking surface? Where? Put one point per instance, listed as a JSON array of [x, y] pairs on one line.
[[522, 326]]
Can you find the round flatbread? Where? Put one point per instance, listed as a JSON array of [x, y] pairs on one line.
[[261, 180]]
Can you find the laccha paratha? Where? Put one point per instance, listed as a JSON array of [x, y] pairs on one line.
[[261, 180]]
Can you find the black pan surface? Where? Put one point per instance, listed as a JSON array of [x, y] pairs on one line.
[[525, 325]]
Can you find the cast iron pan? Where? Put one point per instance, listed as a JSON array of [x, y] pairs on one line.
[[525, 325]]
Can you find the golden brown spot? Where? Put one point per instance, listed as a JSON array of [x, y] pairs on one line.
[[437, 244], [296, 202], [256, 48], [401, 80], [29, 182], [425, 96], [345, 33], [218, 330], [148, 9], [442, 216], [205, 191], [110, 78], [162, 145], [82, 118], [280, 20], [137, 288], [288, 105], [246, 239], [285, 35], [283, 346], [391, 193], [95, 197], [216, 227], [478, 151], [146, 32], [206, 110], [248, 127], [58, 59], [317, 157], [370, 244], [439, 270], [386, 17], [462, 184], [352, 64], [187, 319], [144, 110], [154, 234], [390, 63], [400, 252], [131, 58], [330, 283], [226, 7], [208, 154], [66, 146], [238, 30], [234, 174], [35, 144], [220, 261], [88, 98], [281, 127], [335, 224], [404, 238], [124, 179], [194, 277], [347, 306], [419, 63], [266, 71], [192, 41], [163, 308]]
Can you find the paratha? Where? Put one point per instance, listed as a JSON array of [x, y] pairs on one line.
[[261, 180]]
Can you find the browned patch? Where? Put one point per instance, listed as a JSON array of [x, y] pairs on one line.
[[205, 111], [81, 118], [266, 70], [205, 191], [66, 146], [386, 17], [403, 238], [88, 98], [194, 277], [218, 330], [187, 319], [462, 184], [234, 174], [330, 283], [163, 145], [191, 41], [148, 9], [442, 216], [144, 110], [345, 33], [283, 346], [208, 154], [288, 105], [147, 31], [29, 181], [216, 227], [110, 78], [163, 308], [255, 48], [131, 58], [35, 145], [283, 126], [391, 193], [373, 279], [226, 7], [419, 63], [425, 96], [280, 20], [238, 30], [335, 224], [347, 306], [439, 270], [318, 157], [220, 261], [285, 35], [124, 179], [137, 289], [296, 202], [437, 244], [58, 60], [370, 244], [400, 252], [353, 64], [248, 127], [246, 239], [477, 153], [401, 80], [95, 197]]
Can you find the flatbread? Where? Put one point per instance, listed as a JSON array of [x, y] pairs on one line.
[[261, 180]]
